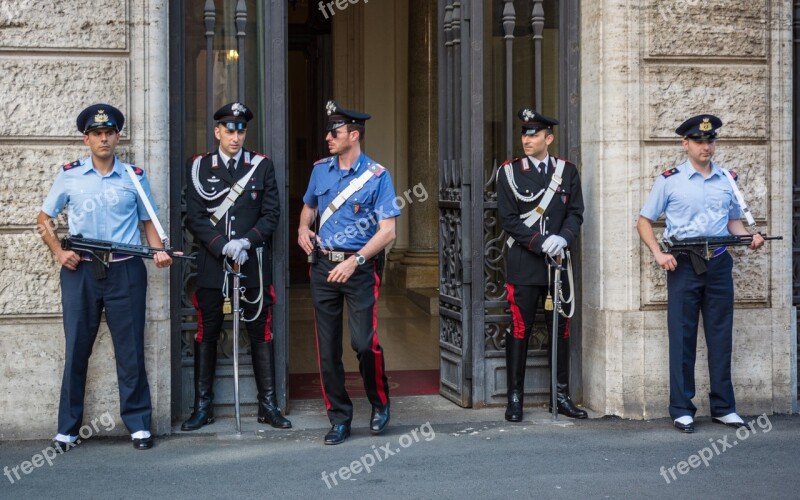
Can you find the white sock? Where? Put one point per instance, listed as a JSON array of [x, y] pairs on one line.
[[140, 435], [731, 418], [685, 420]]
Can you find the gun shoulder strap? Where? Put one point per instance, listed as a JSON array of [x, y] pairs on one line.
[[354, 186], [552, 188], [236, 190], [739, 198], [147, 205]]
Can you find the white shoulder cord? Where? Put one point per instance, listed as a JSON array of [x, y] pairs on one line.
[[260, 298], [571, 291], [199, 187], [515, 189], [147, 205]]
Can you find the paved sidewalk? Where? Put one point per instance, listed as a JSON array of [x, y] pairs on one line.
[[432, 449]]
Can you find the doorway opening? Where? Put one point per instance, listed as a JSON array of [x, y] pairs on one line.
[[359, 57]]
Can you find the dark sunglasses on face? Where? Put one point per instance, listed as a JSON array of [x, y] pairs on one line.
[[335, 132]]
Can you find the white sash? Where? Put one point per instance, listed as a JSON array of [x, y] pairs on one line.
[[236, 190], [745, 209], [355, 185], [147, 205], [552, 188]]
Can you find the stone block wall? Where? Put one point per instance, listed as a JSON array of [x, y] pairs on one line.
[[55, 59], [647, 65]]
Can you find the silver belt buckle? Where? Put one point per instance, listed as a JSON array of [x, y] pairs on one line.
[[336, 256]]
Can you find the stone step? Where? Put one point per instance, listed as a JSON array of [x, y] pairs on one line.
[[426, 299]]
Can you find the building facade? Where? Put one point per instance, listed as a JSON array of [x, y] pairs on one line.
[[443, 81]]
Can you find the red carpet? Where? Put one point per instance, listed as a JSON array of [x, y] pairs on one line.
[[401, 383]]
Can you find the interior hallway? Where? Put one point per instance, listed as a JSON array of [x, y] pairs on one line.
[[409, 337]]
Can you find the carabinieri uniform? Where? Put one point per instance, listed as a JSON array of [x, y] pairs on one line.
[[347, 231]]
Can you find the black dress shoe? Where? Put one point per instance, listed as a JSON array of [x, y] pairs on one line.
[[687, 428], [198, 419], [61, 446], [379, 419], [337, 434], [735, 425], [143, 443], [567, 408]]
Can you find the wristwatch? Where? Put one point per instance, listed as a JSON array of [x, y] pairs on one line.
[[360, 259]]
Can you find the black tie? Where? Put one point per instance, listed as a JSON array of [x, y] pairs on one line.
[[231, 166], [542, 168]]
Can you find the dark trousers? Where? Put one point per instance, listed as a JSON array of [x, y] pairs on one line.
[[524, 301], [122, 293], [690, 294], [361, 294], [208, 302]]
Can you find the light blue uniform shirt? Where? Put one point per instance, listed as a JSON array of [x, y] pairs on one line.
[[102, 207], [356, 221], [693, 205]]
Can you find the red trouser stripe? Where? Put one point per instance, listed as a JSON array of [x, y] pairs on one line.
[[319, 361], [199, 336], [268, 324], [566, 330], [377, 352], [518, 325]]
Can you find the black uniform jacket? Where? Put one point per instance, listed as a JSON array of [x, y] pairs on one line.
[[526, 264], [254, 216]]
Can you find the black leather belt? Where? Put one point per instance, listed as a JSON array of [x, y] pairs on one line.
[[338, 255]]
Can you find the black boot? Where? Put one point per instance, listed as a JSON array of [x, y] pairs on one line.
[[264, 371], [205, 363], [516, 355], [565, 405]]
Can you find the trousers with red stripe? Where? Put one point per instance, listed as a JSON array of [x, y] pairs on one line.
[[525, 301], [360, 292]]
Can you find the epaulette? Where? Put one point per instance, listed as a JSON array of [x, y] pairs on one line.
[[734, 175], [670, 172], [376, 169], [202, 155], [323, 160], [256, 153], [512, 160], [564, 160], [137, 170], [69, 166]]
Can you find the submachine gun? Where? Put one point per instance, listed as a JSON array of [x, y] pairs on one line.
[[701, 249], [102, 249]]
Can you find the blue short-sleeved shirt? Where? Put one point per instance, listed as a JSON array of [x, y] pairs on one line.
[[693, 205], [356, 221], [103, 207]]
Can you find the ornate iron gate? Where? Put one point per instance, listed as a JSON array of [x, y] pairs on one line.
[[479, 92], [232, 30]]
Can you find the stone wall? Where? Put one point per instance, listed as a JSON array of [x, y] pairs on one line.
[[55, 59], [646, 65]]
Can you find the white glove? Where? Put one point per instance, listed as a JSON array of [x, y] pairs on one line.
[[235, 248], [241, 258], [554, 245]]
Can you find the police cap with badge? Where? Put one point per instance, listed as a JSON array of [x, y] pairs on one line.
[[339, 117], [100, 116], [532, 121], [700, 128], [233, 116]]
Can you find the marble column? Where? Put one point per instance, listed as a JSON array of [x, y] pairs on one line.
[[417, 265]]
